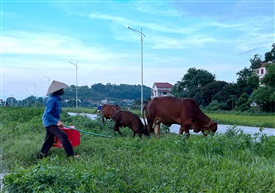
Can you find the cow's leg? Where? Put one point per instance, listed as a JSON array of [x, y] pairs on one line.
[[116, 128], [136, 131], [150, 125], [139, 133], [156, 129], [185, 129]]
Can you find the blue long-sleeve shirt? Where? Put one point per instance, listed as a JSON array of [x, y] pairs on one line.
[[52, 110]]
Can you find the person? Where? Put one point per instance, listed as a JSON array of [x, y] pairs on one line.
[[51, 121], [99, 108]]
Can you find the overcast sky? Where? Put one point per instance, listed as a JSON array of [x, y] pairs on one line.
[[39, 38]]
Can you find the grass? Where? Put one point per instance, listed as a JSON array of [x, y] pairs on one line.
[[232, 162], [244, 120], [171, 164]]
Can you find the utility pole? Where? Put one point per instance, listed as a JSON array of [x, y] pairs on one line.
[[141, 61], [76, 94], [34, 88]]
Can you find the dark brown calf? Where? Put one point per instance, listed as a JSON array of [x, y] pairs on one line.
[[131, 120]]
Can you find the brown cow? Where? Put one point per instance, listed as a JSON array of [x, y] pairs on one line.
[[171, 110], [108, 110], [131, 120]]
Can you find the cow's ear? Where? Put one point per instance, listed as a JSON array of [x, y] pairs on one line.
[[214, 123]]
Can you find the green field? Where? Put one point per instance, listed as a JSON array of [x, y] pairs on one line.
[[230, 162], [244, 120]]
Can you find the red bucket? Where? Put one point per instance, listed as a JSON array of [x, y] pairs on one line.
[[73, 136]]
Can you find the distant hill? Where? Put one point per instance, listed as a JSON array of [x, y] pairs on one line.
[[122, 94]]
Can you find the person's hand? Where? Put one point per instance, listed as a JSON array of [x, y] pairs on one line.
[[59, 124]]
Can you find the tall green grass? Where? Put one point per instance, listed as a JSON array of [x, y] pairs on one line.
[[244, 120], [232, 162]]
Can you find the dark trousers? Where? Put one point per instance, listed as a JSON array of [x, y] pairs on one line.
[[54, 130]]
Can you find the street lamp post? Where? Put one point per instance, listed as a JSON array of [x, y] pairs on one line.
[[21, 98], [141, 56], [76, 94], [49, 80], [27, 91], [34, 88]]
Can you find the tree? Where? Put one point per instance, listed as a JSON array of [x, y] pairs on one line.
[[91, 96], [246, 85], [11, 101], [228, 95], [269, 78], [209, 90], [192, 82], [270, 56], [242, 103], [214, 105], [178, 90], [253, 81], [255, 62], [265, 98]]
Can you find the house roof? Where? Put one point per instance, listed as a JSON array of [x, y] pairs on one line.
[[264, 65], [163, 85]]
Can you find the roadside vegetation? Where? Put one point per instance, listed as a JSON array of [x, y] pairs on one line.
[[230, 162]]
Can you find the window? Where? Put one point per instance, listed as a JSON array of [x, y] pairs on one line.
[[262, 71]]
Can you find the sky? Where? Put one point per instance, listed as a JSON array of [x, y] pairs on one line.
[[42, 41]]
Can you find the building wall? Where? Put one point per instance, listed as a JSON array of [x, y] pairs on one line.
[[159, 92], [261, 72]]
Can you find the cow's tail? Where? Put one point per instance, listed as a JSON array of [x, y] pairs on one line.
[[143, 116], [144, 110]]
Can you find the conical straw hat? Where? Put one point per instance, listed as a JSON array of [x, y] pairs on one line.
[[55, 86]]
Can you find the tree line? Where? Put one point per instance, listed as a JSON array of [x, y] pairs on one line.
[[91, 96], [248, 93], [122, 94]]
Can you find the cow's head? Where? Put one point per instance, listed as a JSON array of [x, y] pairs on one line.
[[212, 127]]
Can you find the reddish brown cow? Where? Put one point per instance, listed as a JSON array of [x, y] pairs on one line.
[[131, 120], [171, 110], [108, 110]]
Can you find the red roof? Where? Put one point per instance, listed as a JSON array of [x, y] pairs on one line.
[[163, 85]]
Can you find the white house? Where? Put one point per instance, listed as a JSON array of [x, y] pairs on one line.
[[261, 71], [160, 89]]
